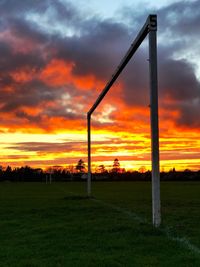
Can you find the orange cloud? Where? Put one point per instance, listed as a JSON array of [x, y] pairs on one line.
[[57, 73], [60, 73]]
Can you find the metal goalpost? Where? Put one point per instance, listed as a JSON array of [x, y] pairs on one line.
[[149, 28]]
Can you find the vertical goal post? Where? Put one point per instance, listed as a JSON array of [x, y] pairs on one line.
[[149, 28]]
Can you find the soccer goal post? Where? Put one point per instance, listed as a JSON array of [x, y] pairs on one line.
[[149, 28]]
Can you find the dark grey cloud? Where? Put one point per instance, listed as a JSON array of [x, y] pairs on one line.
[[48, 147], [98, 51], [10, 60], [178, 80], [66, 12], [28, 94], [181, 18], [53, 10], [136, 80], [27, 30], [190, 111], [67, 112], [30, 118], [13, 8], [34, 94]]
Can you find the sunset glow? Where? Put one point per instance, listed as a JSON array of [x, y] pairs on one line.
[[53, 69]]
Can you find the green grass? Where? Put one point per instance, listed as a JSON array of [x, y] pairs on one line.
[[56, 225]]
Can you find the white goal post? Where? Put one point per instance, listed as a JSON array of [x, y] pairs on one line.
[[149, 28]]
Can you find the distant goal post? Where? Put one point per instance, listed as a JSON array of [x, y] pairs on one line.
[[149, 28]]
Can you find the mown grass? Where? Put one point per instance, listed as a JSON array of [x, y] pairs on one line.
[[56, 225]]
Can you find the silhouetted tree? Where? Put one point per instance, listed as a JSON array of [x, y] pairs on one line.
[[101, 169], [142, 169], [1, 173], [116, 166], [80, 167], [8, 173]]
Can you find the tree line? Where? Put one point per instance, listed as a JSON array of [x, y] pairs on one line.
[[79, 173]]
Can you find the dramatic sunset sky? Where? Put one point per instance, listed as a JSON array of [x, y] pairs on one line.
[[56, 57]]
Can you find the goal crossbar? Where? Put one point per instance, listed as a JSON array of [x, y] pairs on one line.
[[134, 46], [150, 27]]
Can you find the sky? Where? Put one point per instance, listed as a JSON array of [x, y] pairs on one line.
[[56, 57]]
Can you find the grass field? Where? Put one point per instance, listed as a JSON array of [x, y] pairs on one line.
[[55, 225]]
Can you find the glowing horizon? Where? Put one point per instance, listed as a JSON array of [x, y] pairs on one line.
[[132, 151]]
